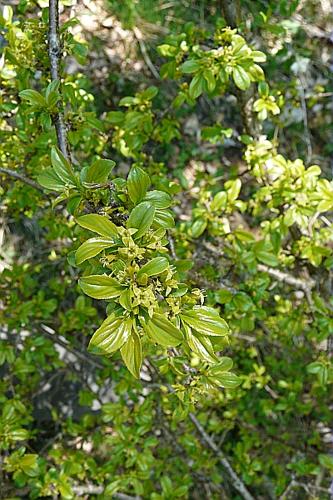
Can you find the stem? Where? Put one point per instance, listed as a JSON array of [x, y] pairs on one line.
[[236, 481], [55, 57], [231, 12], [22, 178]]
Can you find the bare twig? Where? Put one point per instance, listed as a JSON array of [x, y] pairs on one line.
[[49, 332], [231, 12], [145, 55], [236, 481], [20, 177], [291, 280], [92, 489], [307, 134], [55, 56], [307, 487]]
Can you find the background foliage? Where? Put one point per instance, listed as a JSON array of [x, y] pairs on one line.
[[166, 292]]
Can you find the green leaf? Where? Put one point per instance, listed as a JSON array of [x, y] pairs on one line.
[[197, 86], [138, 182], [206, 321], [226, 380], [233, 189], [112, 334], [101, 286], [159, 199], [141, 218], [162, 331], [190, 66], [241, 78], [210, 80], [258, 56], [198, 227], [49, 180], [33, 97], [131, 353], [200, 345], [154, 267], [115, 117], [97, 173], [52, 93], [98, 224], [263, 89], [29, 465], [125, 299], [19, 434], [91, 248], [224, 365], [219, 201], [314, 367], [326, 461], [164, 218], [62, 167], [267, 258], [149, 93]]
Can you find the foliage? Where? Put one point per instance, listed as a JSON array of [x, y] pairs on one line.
[[171, 307]]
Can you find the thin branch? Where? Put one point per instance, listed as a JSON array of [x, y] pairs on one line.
[[92, 489], [50, 333], [22, 178], [307, 487], [144, 52], [55, 57], [236, 481], [231, 12], [306, 286], [307, 134]]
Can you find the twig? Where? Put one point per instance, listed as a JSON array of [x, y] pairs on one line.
[[290, 486], [22, 178], [236, 481], [307, 487], [145, 55], [305, 120], [49, 332], [306, 286], [92, 489], [55, 56]]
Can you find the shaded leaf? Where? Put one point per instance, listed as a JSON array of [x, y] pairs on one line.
[[97, 173], [49, 180], [241, 78], [62, 167], [131, 353], [138, 182], [141, 218]]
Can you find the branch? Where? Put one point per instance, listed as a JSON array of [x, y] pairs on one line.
[[55, 57], [92, 489], [17, 175], [307, 487], [306, 286], [50, 333], [236, 481], [145, 55], [282, 276]]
